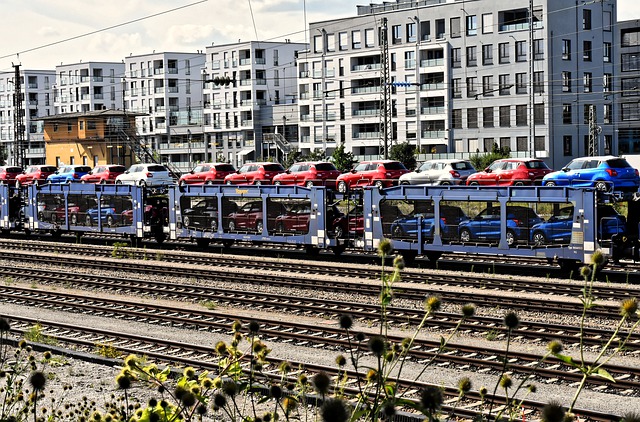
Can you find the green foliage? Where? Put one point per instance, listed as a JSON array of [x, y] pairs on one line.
[[405, 153], [36, 335], [482, 161], [296, 156], [121, 250], [343, 160], [107, 350]]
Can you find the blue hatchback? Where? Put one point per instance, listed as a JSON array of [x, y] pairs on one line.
[[486, 225], [557, 229], [450, 218], [607, 173], [68, 174]]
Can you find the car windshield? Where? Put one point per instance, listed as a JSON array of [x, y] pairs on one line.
[[425, 166], [117, 169], [394, 165], [325, 167], [618, 163], [361, 167], [225, 167], [83, 169], [13, 170], [48, 169], [273, 167], [156, 168], [462, 165], [536, 165]]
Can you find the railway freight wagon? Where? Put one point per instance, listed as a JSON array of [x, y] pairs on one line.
[[563, 224], [227, 214], [87, 208], [10, 209]]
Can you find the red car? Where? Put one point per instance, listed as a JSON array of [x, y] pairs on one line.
[[36, 175], [8, 174], [296, 219], [103, 174], [250, 216], [254, 174], [511, 172], [309, 174], [349, 224], [379, 173], [209, 174]]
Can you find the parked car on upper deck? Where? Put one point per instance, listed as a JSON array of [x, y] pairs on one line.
[[511, 172], [36, 175], [207, 174], [309, 174], [379, 173], [146, 175], [604, 173], [254, 174], [103, 174], [68, 174], [439, 172], [8, 174]]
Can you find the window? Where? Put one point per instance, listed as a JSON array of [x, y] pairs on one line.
[[567, 144], [505, 116], [521, 83], [356, 42], [440, 30], [317, 45], [521, 115], [472, 88], [487, 86], [487, 117], [343, 41], [538, 143], [504, 85], [488, 144], [472, 58], [409, 59], [606, 52], [630, 37], [538, 114], [487, 54], [566, 49], [411, 32], [606, 21], [456, 118], [456, 89], [396, 30], [472, 118], [538, 49], [538, 82], [630, 111], [566, 81], [607, 79], [522, 143], [586, 109], [608, 114], [521, 51], [630, 62], [503, 52], [331, 46], [567, 118], [472, 25], [587, 82], [369, 40], [454, 26], [456, 60], [631, 87], [586, 19], [586, 51], [487, 23]]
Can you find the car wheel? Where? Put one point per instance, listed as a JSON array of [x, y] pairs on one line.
[[36, 182], [309, 184], [338, 232], [602, 186], [518, 184], [142, 183], [214, 225], [378, 184], [103, 182], [445, 184], [54, 218], [550, 183], [209, 182], [473, 183], [41, 216], [342, 187], [110, 221], [257, 182], [465, 236], [74, 219], [280, 227], [118, 182], [259, 227], [232, 226], [186, 221], [511, 238], [539, 239], [397, 232], [181, 183], [87, 220], [277, 183], [18, 185]]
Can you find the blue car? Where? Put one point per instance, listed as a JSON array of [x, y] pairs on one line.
[[450, 218], [68, 174], [557, 229], [108, 216], [607, 173], [486, 225]]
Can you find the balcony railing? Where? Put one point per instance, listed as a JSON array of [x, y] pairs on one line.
[[364, 67], [172, 70], [432, 110], [431, 62], [366, 135], [365, 90], [433, 134], [97, 79], [434, 86], [244, 62], [372, 112]]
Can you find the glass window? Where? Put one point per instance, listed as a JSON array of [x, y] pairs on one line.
[[566, 49], [538, 82], [538, 49], [607, 80], [396, 30], [456, 118], [454, 25], [504, 85], [456, 59], [521, 51], [487, 86], [521, 83], [440, 29], [567, 117], [487, 23], [587, 82], [586, 19], [356, 42], [487, 54], [472, 86], [606, 52], [472, 58], [411, 32], [538, 114], [586, 51], [630, 62], [472, 118], [456, 89], [505, 116], [630, 37], [343, 41], [487, 117], [472, 25], [521, 115], [566, 81], [369, 40], [608, 114], [567, 145], [503, 52]]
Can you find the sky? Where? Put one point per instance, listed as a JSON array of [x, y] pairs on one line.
[[41, 34]]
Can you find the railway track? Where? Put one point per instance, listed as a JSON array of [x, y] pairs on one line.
[[459, 355], [185, 354]]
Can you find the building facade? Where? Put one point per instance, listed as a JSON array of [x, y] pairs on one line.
[[462, 76], [628, 88], [37, 101], [167, 87], [238, 113]]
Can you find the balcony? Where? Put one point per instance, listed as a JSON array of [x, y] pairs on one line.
[[245, 62], [84, 78], [365, 67], [371, 112], [434, 86], [85, 96], [158, 90], [432, 62], [158, 71], [98, 96], [432, 110], [305, 74], [261, 81], [245, 82], [172, 89], [433, 134], [246, 123], [365, 90], [172, 70], [261, 60], [305, 95], [97, 79], [366, 135]]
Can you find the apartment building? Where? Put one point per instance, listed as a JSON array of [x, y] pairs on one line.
[[167, 88], [527, 75], [37, 101], [91, 86], [244, 81], [628, 89]]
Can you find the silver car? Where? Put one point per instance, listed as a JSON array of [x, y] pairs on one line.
[[146, 175], [439, 172]]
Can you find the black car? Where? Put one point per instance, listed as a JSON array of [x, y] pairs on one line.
[[201, 215]]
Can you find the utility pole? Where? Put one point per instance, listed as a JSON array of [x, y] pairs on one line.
[[19, 147], [594, 132], [385, 102]]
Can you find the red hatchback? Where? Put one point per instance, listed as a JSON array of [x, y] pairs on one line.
[[309, 174], [254, 174], [209, 174], [8, 174], [296, 219], [511, 172], [36, 175], [380, 173], [103, 174]]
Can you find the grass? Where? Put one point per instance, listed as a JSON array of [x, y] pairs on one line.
[[107, 350], [35, 334]]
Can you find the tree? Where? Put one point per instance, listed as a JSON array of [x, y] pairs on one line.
[[296, 156], [342, 159], [482, 161], [405, 153]]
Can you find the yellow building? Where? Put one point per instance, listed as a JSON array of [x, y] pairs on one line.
[[90, 138]]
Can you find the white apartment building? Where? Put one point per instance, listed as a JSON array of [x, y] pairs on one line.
[[37, 101], [239, 114], [90, 86], [167, 87], [628, 87], [521, 74]]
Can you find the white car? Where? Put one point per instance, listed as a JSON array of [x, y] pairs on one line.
[[439, 172], [146, 175]]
